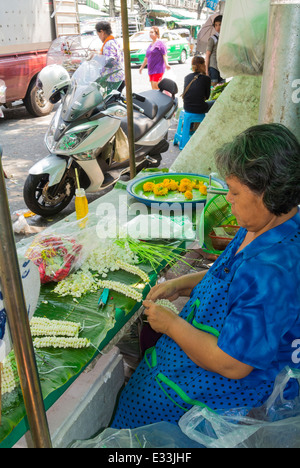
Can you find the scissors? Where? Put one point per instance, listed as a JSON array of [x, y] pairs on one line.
[[103, 298]]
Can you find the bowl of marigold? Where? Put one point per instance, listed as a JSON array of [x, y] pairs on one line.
[[172, 188]]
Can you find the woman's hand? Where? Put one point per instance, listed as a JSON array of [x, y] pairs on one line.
[[165, 290], [168, 67], [160, 318], [143, 65]]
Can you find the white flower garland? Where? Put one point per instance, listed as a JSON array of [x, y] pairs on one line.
[[41, 326], [47, 333], [60, 342], [168, 304], [122, 288], [9, 375], [133, 269]]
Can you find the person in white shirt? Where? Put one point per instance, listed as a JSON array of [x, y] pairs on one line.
[[211, 53]]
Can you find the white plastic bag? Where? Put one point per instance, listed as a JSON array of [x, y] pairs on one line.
[[276, 424], [242, 40], [158, 435], [156, 226]]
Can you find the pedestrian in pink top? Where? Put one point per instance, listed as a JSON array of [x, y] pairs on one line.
[[156, 58]]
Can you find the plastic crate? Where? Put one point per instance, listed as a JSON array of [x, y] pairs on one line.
[[217, 212]]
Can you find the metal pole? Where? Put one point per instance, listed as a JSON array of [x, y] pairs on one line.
[[15, 306], [280, 95], [127, 67]]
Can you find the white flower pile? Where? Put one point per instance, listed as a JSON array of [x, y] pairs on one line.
[[9, 375], [105, 258]]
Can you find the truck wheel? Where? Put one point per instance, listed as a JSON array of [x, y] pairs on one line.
[[39, 197], [35, 102]]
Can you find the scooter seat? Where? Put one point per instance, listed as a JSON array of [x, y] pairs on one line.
[[141, 122]]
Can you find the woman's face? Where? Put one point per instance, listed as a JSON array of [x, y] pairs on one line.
[[247, 206], [102, 35], [152, 34]]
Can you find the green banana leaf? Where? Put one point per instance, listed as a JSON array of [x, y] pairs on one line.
[[58, 368]]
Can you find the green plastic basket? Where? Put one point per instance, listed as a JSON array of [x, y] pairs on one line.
[[216, 212]]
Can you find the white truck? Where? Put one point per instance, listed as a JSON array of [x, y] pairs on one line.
[[27, 30]]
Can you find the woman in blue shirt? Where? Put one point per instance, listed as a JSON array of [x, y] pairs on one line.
[[240, 326]]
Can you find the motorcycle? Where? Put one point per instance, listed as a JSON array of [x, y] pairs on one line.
[[88, 132]]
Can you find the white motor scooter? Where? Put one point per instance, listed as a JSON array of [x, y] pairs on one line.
[[88, 133]]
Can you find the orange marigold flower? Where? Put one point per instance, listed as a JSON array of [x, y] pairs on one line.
[[148, 187], [188, 195], [173, 185], [166, 182], [185, 184], [203, 189], [160, 190]]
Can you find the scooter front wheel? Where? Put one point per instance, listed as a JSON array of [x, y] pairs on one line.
[[42, 199]]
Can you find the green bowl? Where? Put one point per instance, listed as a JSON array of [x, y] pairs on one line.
[[135, 188]]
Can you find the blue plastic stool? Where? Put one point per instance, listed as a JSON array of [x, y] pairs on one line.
[[183, 133]]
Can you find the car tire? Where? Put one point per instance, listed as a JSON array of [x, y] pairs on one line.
[[35, 103], [183, 56]]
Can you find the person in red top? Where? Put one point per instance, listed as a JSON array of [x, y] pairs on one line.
[[156, 58]]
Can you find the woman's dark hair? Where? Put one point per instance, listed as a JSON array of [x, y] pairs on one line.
[[104, 26], [198, 64], [266, 158]]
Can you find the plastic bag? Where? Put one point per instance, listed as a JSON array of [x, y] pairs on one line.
[[242, 40], [122, 146], [71, 51], [276, 424], [54, 255], [157, 226], [158, 435]]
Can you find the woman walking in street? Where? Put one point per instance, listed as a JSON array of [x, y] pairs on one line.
[[156, 58]]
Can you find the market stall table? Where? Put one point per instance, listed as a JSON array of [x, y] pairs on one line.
[[59, 368]]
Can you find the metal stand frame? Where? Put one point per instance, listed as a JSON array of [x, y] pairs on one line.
[[15, 307]]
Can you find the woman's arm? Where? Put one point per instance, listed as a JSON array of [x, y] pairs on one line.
[[207, 60], [201, 347], [165, 57], [176, 287], [143, 64]]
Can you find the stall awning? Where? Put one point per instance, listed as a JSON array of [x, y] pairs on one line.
[[158, 10], [86, 11], [181, 13], [187, 22]]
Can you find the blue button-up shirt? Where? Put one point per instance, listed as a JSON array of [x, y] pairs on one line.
[[262, 328]]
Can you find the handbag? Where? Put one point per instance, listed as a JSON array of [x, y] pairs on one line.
[[189, 85]]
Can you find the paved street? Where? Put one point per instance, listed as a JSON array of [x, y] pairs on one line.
[[22, 139]]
